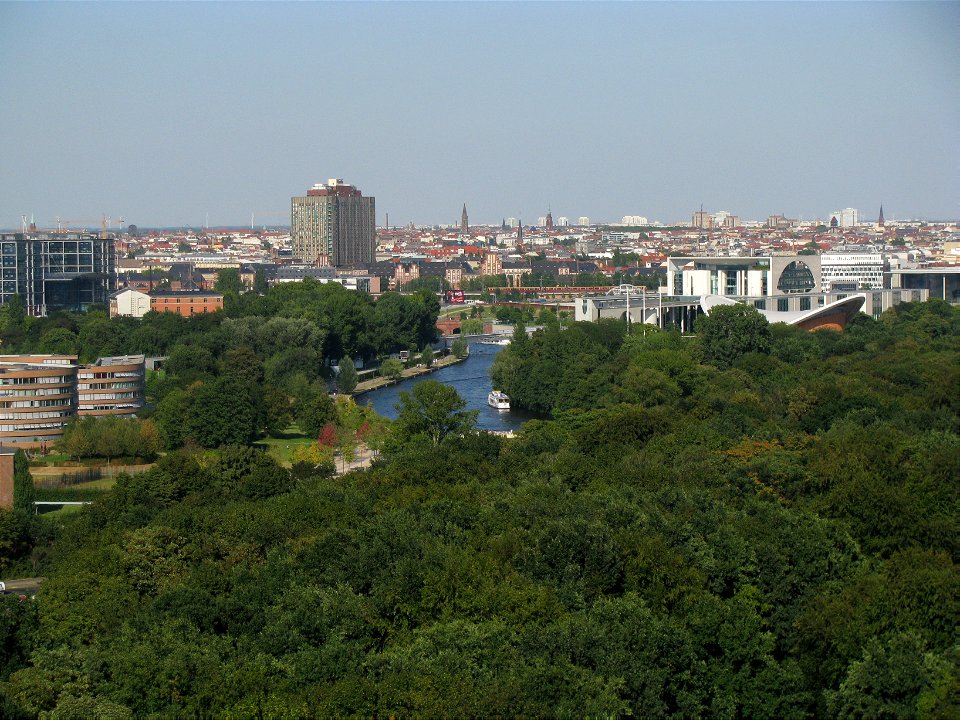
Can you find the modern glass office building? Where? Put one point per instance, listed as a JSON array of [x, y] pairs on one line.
[[57, 271]]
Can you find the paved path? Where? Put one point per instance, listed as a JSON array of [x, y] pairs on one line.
[[363, 457], [23, 586]]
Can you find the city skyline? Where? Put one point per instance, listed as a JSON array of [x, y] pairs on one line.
[[589, 109]]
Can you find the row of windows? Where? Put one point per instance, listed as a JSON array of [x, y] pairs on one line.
[[107, 386], [21, 416], [116, 406], [112, 396], [61, 392], [33, 403], [87, 375], [51, 380], [22, 426]]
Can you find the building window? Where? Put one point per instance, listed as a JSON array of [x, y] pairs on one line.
[[796, 278], [783, 304], [804, 303]]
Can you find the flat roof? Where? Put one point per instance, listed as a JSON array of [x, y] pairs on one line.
[[953, 270], [119, 360]]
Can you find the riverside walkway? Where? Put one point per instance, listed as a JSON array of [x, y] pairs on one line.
[[381, 382]]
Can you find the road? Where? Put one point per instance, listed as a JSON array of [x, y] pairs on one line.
[[23, 586]]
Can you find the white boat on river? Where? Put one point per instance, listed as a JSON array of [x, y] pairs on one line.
[[498, 400]]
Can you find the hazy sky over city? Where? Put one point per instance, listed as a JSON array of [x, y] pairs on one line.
[[165, 113]]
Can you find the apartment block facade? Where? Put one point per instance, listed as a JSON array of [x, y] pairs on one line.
[[40, 394]]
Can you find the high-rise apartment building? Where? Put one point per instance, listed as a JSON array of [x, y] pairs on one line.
[[57, 271], [333, 224], [702, 219]]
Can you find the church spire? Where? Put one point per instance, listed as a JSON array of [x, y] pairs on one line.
[[880, 219], [463, 220]]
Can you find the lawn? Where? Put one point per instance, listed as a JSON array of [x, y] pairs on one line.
[[281, 448]]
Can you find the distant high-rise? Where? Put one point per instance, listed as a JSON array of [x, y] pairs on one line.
[[464, 226], [846, 218], [583, 221], [334, 224], [702, 220]]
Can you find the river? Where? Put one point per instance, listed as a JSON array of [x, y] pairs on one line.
[[470, 378]]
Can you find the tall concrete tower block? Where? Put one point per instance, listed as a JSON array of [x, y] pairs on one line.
[[333, 224]]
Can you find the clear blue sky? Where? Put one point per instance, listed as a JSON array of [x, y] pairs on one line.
[[166, 112]]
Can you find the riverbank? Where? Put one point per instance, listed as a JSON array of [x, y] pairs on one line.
[[382, 382]]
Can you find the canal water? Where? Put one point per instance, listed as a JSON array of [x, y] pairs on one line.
[[470, 378]]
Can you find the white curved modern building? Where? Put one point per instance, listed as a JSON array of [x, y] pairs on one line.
[[829, 316]]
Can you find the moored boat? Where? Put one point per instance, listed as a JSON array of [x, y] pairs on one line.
[[498, 400]]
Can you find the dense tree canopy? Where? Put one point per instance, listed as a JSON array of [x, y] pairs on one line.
[[674, 538], [731, 331]]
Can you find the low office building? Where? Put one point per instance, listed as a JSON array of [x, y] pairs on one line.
[[297, 273], [112, 386], [853, 271], [38, 397], [40, 394], [187, 302], [129, 302], [743, 276], [938, 282]]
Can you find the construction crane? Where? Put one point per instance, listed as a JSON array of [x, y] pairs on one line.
[[64, 225]]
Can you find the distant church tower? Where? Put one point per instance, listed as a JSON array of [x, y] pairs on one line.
[[880, 219], [549, 219], [463, 220]]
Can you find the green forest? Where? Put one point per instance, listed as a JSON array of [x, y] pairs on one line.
[[756, 522]]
